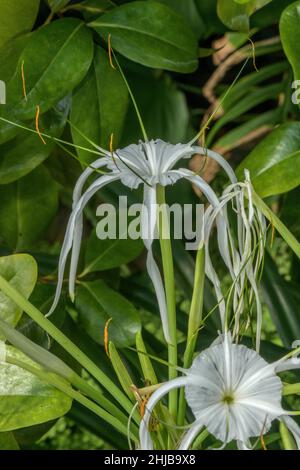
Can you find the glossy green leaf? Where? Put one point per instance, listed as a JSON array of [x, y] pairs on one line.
[[57, 5], [17, 17], [96, 303], [235, 13], [282, 300], [274, 164], [24, 217], [21, 272], [152, 34], [289, 33], [9, 56], [61, 49], [188, 10], [104, 94], [108, 254], [26, 151], [24, 399]]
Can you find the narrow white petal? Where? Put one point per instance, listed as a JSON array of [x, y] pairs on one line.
[[145, 438], [190, 435], [68, 241]]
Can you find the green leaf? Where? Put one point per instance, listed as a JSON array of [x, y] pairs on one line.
[[62, 49], [21, 272], [26, 151], [9, 56], [208, 13], [120, 370], [290, 212], [250, 101], [188, 10], [17, 17], [57, 5], [8, 442], [24, 217], [274, 164], [96, 303], [108, 254], [289, 32], [104, 94], [93, 8], [151, 34], [282, 299], [164, 111], [235, 13], [26, 400]]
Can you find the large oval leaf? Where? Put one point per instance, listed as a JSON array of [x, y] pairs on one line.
[[108, 254], [24, 399], [188, 9], [23, 216], [67, 51], [26, 151], [21, 272], [96, 303], [152, 34], [17, 17], [104, 93], [289, 32], [274, 164]]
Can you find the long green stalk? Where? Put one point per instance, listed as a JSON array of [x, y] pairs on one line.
[[169, 279], [195, 319], [64, 387], [65, 343]]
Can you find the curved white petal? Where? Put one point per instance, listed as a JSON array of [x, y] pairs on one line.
[[68, 240], [219, 159], [149, 222], [190, 435], [145, 438]]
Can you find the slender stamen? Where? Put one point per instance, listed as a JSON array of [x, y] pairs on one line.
[[37, 125]]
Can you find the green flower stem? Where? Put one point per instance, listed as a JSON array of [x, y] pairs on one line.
[[291, 389], [200, 439], [65, 343], [64, 387], [168, 269], [287, 439], [195, 319]]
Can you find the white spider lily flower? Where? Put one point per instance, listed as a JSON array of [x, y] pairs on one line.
[[148, 163], [247, 256], [232, 391]]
